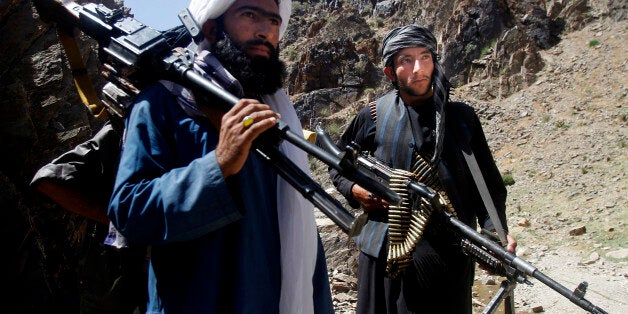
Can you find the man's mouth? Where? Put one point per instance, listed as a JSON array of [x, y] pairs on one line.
[[421, 79], [259, 48]]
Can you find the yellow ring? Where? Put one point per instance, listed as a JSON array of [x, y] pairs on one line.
[[247, 121]]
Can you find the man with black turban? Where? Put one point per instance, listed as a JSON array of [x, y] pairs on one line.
[[227, 235], [415, 126]]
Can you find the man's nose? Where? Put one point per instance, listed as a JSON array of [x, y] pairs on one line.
[[264, 30], [417, 66]]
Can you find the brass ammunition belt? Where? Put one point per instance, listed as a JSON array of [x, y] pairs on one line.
[[408, 219]]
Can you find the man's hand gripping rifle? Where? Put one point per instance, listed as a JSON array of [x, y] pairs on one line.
[[482, 247], [135, 54]]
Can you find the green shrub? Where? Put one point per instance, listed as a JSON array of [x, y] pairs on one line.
[[508, 179], [594, 42], [470, 48], [291, 53], [561, 124], [486, 48], [334, 128]]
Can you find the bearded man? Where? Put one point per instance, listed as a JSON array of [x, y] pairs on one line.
[[227, 235]]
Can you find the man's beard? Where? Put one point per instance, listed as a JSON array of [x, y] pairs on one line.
[[414, 92], [257, 75], [422, 95]]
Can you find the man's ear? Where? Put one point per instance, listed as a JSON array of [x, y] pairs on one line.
[[390, 74], [210, 31]]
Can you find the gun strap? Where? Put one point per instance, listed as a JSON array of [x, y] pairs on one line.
[[82, 81], [485, 194], [474, 168]]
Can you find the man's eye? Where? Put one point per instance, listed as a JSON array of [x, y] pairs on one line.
[[248, 14], [275, 22]]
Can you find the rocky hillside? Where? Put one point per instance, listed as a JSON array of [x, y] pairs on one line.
[[548, 79]]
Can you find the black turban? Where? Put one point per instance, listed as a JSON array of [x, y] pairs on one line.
[[407, 36]]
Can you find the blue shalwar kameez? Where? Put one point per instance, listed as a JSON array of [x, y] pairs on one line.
[[213, 248]]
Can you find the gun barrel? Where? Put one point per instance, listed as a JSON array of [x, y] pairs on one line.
[[308, 188], [520, 264], [580, 301]]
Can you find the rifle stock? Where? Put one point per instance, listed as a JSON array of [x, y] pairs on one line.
[[481, 248]]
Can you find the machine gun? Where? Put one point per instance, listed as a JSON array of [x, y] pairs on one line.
[[134, 54], [482, 247]]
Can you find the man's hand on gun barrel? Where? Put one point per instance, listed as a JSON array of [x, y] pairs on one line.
[[511, 247]]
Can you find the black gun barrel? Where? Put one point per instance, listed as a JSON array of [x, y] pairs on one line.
[[308, 188], [573, 297]]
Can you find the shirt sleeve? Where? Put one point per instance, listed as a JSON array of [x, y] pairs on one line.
[[361, 131], [156, 200]]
